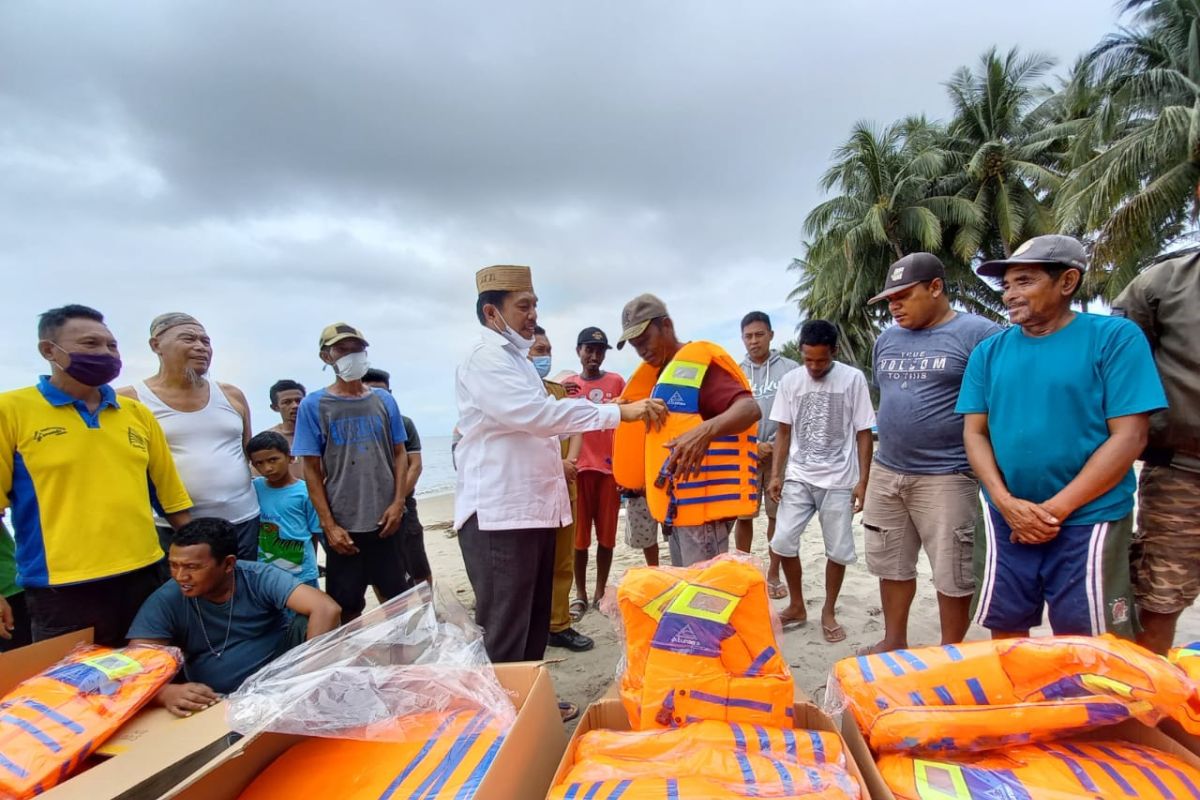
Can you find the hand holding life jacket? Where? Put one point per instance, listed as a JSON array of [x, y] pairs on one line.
[[728, 483]]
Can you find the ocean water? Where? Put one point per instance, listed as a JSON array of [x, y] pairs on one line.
[[437, 470]]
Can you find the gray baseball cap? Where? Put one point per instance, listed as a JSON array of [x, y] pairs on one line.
[[1054, 248], [637, 316], [909, 271]]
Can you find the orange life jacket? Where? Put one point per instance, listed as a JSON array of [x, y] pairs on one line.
[[694, 788], [728, 483], [53, 721], [1187, 658], [1066, 770], [699, 645], [446, 756], [988, 694]]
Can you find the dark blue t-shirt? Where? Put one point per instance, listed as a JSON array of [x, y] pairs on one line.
[[1049, 399], [257, 628]]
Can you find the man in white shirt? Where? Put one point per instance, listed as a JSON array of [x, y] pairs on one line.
[[511, 494], [825, 418]]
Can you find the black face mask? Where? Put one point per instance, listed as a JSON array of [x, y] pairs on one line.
[[92, 369]]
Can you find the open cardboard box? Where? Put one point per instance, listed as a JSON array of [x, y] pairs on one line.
[[522, 768], [1129, 731], [146, 756], [609, 714]]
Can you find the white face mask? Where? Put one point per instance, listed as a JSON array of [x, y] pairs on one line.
[[352, 366], [519, 341]]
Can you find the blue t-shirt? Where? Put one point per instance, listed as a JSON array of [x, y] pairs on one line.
[[356, 439], [257, 625], [287, 523], [919, 374], [1049, 399]]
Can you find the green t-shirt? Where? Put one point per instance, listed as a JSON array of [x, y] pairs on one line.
[[8, 564]]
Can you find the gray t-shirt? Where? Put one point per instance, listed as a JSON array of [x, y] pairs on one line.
[[919, 374], [764, 382], [356, 439]]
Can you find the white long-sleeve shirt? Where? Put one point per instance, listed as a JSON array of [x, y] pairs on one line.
[[509, 463]]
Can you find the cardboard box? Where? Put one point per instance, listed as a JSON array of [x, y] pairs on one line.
[[522, 769], [1129, 731], [150, 753], [610, 715]]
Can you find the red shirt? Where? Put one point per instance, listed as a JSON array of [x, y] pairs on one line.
[[596, 452]]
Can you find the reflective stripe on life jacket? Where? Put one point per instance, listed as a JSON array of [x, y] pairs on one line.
[[53, 721], [727, 484], [699, 645]]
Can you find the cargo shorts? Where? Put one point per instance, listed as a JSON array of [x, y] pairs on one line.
[[1165, 556], [903, 514]]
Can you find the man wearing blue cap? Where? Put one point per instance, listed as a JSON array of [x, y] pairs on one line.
[[1057, 408]]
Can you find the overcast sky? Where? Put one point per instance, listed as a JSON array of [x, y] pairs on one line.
[[271, 167]]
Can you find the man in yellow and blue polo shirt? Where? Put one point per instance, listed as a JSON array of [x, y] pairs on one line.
[[74, 463]]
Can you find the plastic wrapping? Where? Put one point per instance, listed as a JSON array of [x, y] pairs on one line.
[[992, 694], [375, 677], [1187, 658], [701, 643], [1061, 771], [710, 759], [51, 722], [446, 756]]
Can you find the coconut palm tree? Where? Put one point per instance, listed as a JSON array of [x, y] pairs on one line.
[[1138, 192]]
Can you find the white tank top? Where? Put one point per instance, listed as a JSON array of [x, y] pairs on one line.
[[207, 446]]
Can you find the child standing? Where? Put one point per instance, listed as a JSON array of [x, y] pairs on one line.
[[289, 524]]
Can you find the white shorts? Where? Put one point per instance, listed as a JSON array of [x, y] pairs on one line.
[[833, 507]]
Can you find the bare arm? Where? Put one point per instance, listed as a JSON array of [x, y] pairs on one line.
[[783, 443], [1030, 522], [335, 535], [414, 471], [1107, 466], [389, 523], [323, 612], [181, 699], [689, 450], [179, 518], [866, 449], [127, 391], [238, 401]]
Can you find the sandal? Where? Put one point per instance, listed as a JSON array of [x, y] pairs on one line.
[[568, 711], [792, 623], [776, 590], [577, 609], [833, 634]]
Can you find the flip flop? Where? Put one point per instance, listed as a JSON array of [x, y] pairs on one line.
[[791, 623], [834, 634], [776, 590], [577, 609], [568, 711]]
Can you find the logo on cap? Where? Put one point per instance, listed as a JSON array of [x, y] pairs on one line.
[[597, 335], [1021, 250], [897, 273]]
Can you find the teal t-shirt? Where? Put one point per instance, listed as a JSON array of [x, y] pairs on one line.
[[287, 524], [1049, 399]]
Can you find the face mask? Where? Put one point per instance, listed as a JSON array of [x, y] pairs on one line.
[[519, 341], [92, 369], [542, 365], [352, 366]]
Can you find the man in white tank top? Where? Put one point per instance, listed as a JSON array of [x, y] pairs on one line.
[[207, 424]]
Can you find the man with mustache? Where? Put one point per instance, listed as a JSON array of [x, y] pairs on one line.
[[1057, 408]]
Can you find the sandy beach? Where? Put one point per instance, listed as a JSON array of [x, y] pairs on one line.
[[583, 677]]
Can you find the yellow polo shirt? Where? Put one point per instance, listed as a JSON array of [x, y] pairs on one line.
[[79, 484]]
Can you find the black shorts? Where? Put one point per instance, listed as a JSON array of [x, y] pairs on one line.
[[108, 606], [412, 546], [379, 562]]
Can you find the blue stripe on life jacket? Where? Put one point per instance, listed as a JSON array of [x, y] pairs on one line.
[[13, 768], [818, 747], [954, 653], [672, 789], [760, 661], [977, 691], [619, 789], [1165, 767], [591, 792], [739, 736], [724, 452], [789, 742], [910, 659], [707, 483], [764, 738], [784, 776], [915, 698], [864, 666], [719, 498], [732, 702], [725, 438], [747, 770], [944, 695], [1142, 768], [418, 758], [1104, 765], [33, 730], [432, 786], [572, 790], [50, 713], [467, 791], [891, 664]]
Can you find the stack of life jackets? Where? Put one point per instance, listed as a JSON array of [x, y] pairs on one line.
[[699, 645], [708, 760], [53, 721], [446, 755], [727, 485], [992, 719]]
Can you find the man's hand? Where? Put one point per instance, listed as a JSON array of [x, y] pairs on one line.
[[1030, 522], [570, 471], [688, 451], [858, 497], [765, 449], [7, 620], [389, 523], [775, 488], [572, 387], [185, 699], [339, 540], [652, 410]]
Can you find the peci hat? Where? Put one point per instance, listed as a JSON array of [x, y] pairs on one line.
[[637, 316], [340, 331], [1053, 248], [172, 319], [504, 278], [592, 335], [909, 271]]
